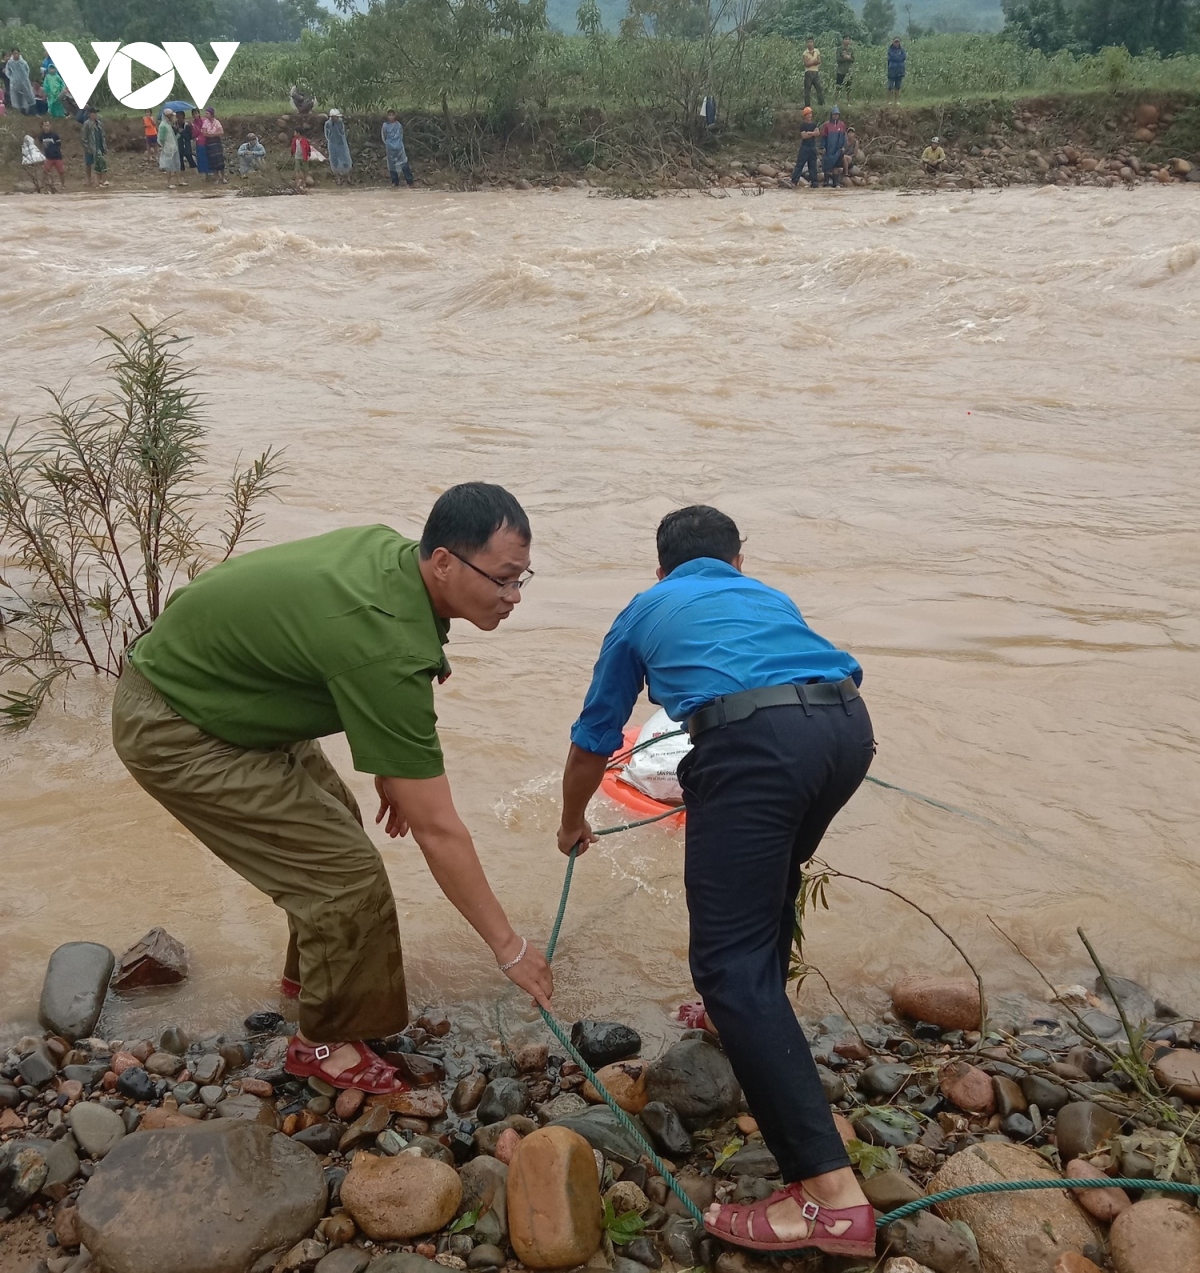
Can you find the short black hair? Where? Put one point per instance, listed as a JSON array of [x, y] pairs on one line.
[[696, 531], [466, 516]]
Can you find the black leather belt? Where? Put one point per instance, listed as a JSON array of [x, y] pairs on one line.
[[734, 707]]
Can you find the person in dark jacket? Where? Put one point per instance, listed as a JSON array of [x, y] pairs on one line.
[[833, 145], [810, 132], [897, 56], [187, 141]]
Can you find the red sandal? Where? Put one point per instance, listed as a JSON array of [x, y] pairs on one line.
[[370, 1075], [694, 1016], [836, 1231]]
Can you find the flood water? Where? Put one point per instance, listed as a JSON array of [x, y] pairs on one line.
[[961, 431]]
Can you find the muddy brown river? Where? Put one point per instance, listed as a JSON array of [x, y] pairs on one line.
[[960, 430]]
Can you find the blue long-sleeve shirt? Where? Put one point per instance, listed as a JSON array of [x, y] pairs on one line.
[[896, 60], [703, 631]]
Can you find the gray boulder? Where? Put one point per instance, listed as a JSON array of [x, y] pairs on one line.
[[74, 988], [599, 1127], [697, 1081], [97, 1128], [206, 1200]]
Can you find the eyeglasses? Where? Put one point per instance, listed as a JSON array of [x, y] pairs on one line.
[[505, 585]]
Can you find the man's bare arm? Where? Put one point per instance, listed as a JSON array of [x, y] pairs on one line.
[[426, 807], [581, 776]]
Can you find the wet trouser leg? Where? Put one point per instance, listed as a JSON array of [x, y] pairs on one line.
[[760, 794], [285, 822]]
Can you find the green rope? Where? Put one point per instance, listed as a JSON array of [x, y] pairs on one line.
[[1012, 1186], [560, 1034]]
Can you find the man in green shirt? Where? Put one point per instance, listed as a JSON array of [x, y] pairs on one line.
[[217, 713]]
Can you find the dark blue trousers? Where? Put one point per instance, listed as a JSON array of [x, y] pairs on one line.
[[760, 794], [805, 159]]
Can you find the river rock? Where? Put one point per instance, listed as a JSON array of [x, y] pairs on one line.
[[887, 1190], [932, 1242], [754, 1159], [561, 1106], [395, 1199], [893, 1128], [73, 991], [62, 1162], [697, 1081], [209, 1200], [321, 1138], [884, 1079], [668, 1133], [502, 1097], [484, 1188], [603, 1042], [949, 1003], [1009, 1097], [626, 1084], [347, 1259], [23, 1173], [468, 1093], [487, 1137], [486, 1256], [404, 1262], [208, 1068], [968, 1088], [1103, 1204], [425, 1102], [554, 1205], [136, 1085], [38, 1068], [1082, 1127], [1047, 1096], [96, 1128], [599, 1127], [1179, 1072], [164, 1064], [1016, 1232], [1157, 1235], [366, 1128], [1074, 1262], [248, 1109], [157, 960]]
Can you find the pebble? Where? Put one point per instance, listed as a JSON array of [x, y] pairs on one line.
[[320, 1088], [1104, 1204], [887, 1190], [1047, 1096], [884, 1079], [1083, 1127], [175, 1040], [603, 1042], [348, 1104], [1178, 1070], [208, 1069], [38, 1068], [344, 1260], [1018, 1126], [185, 1093], [968, 1087], [257, 1087], [164, 1064], [501, 1098], [211, 1096], [390, 1142], [136, 1085], [319, 1105], [96, 1129], [485, 1257], [366, 1128], [894, 1129], [1009, 1097], [833, 1085], [666, 1130], [625, 1082], [74, 988]]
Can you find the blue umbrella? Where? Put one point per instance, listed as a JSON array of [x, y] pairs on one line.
[[176, 106]]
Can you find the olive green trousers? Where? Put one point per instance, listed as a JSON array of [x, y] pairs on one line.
[[284, 821]]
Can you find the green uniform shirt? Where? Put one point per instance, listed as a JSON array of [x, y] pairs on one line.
[[307, 639]]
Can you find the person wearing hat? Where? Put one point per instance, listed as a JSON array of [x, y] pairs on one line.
[[168, 147], [807, 158], [251, 155], [833, 145], [338, 146], [933, 157]]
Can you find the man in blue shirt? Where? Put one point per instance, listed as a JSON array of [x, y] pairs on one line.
[[781, 740]]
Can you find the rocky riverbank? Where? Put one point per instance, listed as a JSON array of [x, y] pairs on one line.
[[1105, 139], [202, 1155]]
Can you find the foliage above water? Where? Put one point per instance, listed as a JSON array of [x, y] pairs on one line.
[[99, 518]]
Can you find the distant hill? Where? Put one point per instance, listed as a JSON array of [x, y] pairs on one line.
[[946, 15]]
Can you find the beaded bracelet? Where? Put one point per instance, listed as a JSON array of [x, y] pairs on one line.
[[512, 963]]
